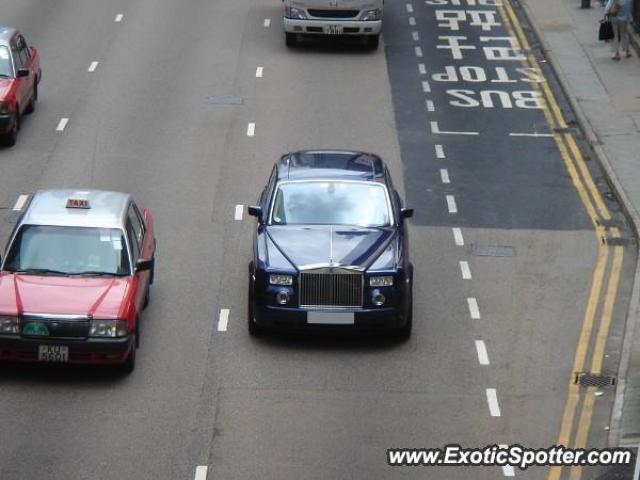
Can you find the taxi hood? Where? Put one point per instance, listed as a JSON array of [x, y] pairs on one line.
[[5, 85], [98, 297]]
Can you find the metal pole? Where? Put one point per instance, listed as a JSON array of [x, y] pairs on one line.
[[636, 471]]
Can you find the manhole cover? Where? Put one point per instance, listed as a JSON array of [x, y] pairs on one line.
[[223, 100], [585, 379], [492, 250]]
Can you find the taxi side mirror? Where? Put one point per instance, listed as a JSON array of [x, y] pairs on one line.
[[406, 212], [255, 210], [143, 265]]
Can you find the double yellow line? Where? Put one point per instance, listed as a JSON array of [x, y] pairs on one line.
[[599, 215]]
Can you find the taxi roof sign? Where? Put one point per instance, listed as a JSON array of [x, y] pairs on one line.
[[78, 203]]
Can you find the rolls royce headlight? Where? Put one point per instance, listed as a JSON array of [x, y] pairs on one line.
[[371, 15], [280, 279], [295, 13], [9, 325], [108, 328], [382, 281]]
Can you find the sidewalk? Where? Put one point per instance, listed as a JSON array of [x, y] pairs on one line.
[[606, 97]]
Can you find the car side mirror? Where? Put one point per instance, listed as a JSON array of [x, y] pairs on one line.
[[143, 265], [23, 72], [406, 212], [255, 210]]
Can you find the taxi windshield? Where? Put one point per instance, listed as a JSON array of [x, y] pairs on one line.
[[68, 251], [331, 203], [5, 63]]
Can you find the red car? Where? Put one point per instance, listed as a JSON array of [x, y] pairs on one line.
[[20, 75], [75, 279]]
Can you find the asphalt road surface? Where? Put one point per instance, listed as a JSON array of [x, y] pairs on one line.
[[504, 243]]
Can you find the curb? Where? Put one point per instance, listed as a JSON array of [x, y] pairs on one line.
[[628, 208]]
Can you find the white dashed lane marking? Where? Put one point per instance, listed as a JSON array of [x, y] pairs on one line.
[[444, 175], [118, 18], [416, 36], [465, 270], [238, 212], [483, 356], [267, 22], [412, 21], [430, 106], [251, 129], [422, 69], [259, 72], [435, 128], [544, 135], [93, 66], [418, 51], [457, 236], [474, 311], [426, 88], [492, 399], [22, 199], [440, 151], [62, 124], [201, 472], [409, 8], [223, 320], [451, 204], [508, 471]]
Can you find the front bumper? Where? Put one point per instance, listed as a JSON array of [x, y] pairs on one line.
[[89, 351], [292, 318], [321, 27]]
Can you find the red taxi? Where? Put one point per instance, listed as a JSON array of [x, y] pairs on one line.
[[20, 75], [75, 279]]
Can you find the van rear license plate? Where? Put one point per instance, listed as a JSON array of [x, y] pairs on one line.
[[53, 353], [330, 318], [333, 29]]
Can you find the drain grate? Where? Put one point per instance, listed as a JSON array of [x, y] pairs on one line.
[[586, 379], [222, 100], [492, 250], [618, 242]]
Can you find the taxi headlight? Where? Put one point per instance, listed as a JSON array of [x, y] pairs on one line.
[[295, 13], [4, 108], [108, 328], [9, 325], [371, 15], [383, 281], [280, 279]]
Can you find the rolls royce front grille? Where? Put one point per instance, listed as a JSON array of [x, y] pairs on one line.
[[331, 289], [333, 13]]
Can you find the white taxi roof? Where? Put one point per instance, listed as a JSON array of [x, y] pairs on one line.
[[50, 207]]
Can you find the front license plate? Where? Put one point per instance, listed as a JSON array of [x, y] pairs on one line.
[[333, 29], [330, 318], [53, 353]]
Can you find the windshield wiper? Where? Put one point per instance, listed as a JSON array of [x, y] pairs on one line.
[[4, 75], [39, 271], [98, 272]]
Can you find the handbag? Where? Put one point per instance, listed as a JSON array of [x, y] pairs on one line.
[[606, 30]]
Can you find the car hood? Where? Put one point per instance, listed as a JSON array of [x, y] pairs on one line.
[[5, 85], [321, 245], [27, 294]]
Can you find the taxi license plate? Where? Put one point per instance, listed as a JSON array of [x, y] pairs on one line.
[[53, 353], [330, 318], [333, 29]]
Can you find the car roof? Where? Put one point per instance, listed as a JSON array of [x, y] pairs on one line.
[[49, 207], [5, 34], [331, 164]]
